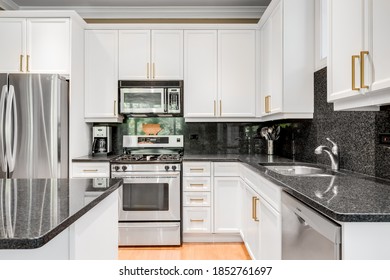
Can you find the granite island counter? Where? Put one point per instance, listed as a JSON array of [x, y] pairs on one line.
[[59, 218]]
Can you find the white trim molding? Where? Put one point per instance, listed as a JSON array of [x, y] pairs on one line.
[[8, 5], [102, 12], [321, 34]]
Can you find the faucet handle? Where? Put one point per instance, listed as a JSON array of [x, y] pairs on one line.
[[335, 148]]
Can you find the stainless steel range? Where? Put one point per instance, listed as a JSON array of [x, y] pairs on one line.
[[150, 199]]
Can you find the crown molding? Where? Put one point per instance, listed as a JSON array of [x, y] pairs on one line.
[[8, 5], [161, 12]]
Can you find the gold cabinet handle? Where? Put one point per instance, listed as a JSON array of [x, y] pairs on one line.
[[147, 70], [154, 70], [196, 169], [215, 108], [197, 220], [197, 199], [254, 208], [220, 107], [28, 64], [90, 170], [267, 103], [354, 57], [115, 109], [362, 53], [21, 63], [196, 185]]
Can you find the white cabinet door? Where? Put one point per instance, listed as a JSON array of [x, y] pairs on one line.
[[13, 45], [101, 75], [134, 54], [48, 45], [265, 66], [227, 206], [237, 73], [346, 41], [167, 55], [200, 73], [380, 44], [270, 232]]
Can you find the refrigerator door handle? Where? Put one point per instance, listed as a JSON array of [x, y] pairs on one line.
[[3, 162], [11, 147]]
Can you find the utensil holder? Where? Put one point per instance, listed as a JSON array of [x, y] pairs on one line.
[[270, 147]]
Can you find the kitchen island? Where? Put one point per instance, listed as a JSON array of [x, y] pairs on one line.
[[59, 218]]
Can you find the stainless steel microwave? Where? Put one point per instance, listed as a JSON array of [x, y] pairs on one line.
[[151, 98]]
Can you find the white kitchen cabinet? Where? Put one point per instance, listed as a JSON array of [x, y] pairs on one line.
[[358, 72], [90, 169], [220, 74], [35, 45], [197, 168], [227, 205], [101, 76], [196, 220], [287, 60], [151, 55]]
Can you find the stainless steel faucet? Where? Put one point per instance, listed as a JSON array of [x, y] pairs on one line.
[[333, 153]]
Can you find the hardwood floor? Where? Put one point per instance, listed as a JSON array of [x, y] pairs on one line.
[[188, 251]]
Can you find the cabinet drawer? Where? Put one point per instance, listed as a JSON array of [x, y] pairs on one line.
[[197, 219], [196, 184], [226, 169], [196, 199], [90, 169], [195, 168]]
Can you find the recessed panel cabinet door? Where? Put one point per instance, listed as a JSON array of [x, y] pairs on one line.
[[13, 45], [134, 55], [346, 35], [237, 73], [200, 73], [48, 45]]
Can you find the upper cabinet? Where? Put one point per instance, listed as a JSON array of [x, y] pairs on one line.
[[358, 69], [35, 45], [220, 74], [151, 54], [287, 60], [101, 76]]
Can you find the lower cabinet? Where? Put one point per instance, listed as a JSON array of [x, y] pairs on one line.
[[90, 169]]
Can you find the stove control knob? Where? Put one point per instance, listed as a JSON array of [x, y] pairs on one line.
[[166, 167], [173, 167], [124, 167], [116, 168]]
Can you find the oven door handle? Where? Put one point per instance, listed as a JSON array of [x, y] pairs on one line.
[[148, 226], [136, 175]]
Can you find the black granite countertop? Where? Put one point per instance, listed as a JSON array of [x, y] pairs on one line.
[[90, 158], [34, 211], [344, 196]]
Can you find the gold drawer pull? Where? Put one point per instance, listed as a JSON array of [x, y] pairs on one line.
[[28, 64], [354, 57], [21, 63], [196, 185], [267, 104], [362, 53], [90, 170], [196, 199], [196, 169], [197, 220], [254, 208]]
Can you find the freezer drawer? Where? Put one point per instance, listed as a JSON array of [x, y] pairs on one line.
[[306, 234]]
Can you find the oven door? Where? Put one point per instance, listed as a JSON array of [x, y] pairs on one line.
[[142, 100], [150, 197]]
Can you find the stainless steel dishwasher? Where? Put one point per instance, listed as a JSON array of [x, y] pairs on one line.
[[306, 234]]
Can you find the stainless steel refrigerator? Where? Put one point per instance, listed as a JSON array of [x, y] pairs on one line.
[[33, 126]]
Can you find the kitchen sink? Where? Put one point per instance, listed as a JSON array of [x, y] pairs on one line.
[[297, 169]]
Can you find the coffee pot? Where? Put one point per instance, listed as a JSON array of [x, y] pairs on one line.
[[101, 143]]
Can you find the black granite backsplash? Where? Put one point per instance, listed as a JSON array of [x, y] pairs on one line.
[[356, 133]]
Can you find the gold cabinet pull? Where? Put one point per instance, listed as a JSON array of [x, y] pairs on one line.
[[147, 70], [197, 199], [220, 107], [196, 169], [197, 220], [21, 63], [362, 53], [154, 71], [115, 110], [354, 57], [90, 170], [215, 108], [254, 208], [196, 185], [28, 64], [267, 103]]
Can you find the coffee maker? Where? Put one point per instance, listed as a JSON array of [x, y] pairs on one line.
[[101, 140]]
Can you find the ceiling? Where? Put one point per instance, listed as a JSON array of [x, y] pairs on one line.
[[149, 9], [142, 3]]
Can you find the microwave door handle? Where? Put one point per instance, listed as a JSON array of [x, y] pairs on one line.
[[165, 101]]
